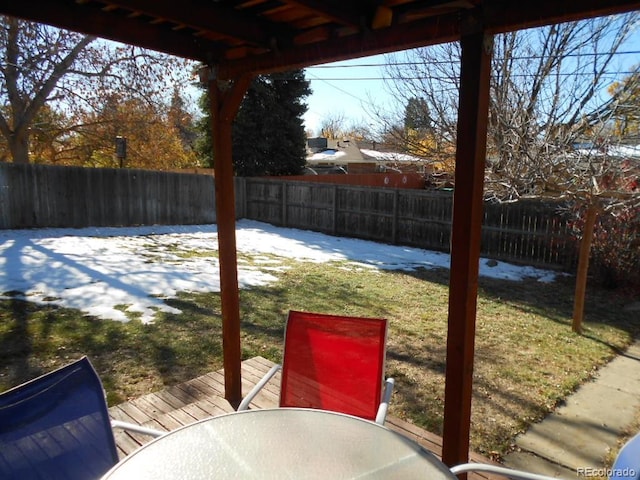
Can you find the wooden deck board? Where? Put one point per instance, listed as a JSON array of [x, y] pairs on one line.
[[202, 397]]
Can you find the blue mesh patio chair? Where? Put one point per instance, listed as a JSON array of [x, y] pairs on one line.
[[627, 463], [57, 427], [625, 467]]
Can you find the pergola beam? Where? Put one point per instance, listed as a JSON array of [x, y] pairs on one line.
[[385, 40], [496, 17], [503, 16]]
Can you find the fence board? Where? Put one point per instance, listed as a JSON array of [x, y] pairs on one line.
[[309, 206]]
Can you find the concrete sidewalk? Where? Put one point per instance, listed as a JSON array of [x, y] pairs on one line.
[[579, 435]]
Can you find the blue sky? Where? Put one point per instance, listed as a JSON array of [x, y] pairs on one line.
[[333, 92], [337, 91]]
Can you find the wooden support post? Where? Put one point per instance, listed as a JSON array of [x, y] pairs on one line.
[[225, 98], [583, 266], [465, 243]]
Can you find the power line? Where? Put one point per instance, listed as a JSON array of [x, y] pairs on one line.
[[609, 76], [613, 75], [449, 62], [338, 88]]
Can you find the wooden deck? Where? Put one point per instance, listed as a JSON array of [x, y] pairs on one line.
[[203, 397]]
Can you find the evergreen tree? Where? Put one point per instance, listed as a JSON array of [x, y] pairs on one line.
[[203, 145], [416, 115], [268, 132]]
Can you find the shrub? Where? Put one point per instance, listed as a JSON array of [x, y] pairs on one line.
[[615, 251]]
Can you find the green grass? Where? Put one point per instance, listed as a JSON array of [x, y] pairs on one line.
[[527, 358]]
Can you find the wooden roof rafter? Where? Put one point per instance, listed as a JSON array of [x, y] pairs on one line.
[[224, 21], [88, 19], [430, 8], [346, 13]]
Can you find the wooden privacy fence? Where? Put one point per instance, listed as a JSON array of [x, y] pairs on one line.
[[34, 196], [530, 232], [37, 196]]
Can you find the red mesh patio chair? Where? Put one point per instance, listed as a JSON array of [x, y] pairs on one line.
[[335, 363]]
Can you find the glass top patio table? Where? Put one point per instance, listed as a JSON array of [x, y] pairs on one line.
[[283, 443]]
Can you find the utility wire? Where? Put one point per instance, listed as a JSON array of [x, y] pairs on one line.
[[613, 75], [449, 62]]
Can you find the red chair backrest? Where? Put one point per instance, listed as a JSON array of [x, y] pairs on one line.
[[333, 362]]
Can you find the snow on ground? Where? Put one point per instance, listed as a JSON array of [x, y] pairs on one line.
[[103, 271]]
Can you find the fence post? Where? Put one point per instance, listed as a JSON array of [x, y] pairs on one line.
[[583, 267], [334, 213], [394, 227], [284, 203], [241, 197], [5, 198]]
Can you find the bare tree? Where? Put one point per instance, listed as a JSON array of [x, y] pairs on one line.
[[333, 126], [548, 94], [70, 72], [548, 89], [428, 77]]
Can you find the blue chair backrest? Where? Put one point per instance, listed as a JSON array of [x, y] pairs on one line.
[[627, 463], [57, 427]]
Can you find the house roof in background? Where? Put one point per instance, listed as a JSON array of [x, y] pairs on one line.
[[342, 152], [261, 36], [332, 151]]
